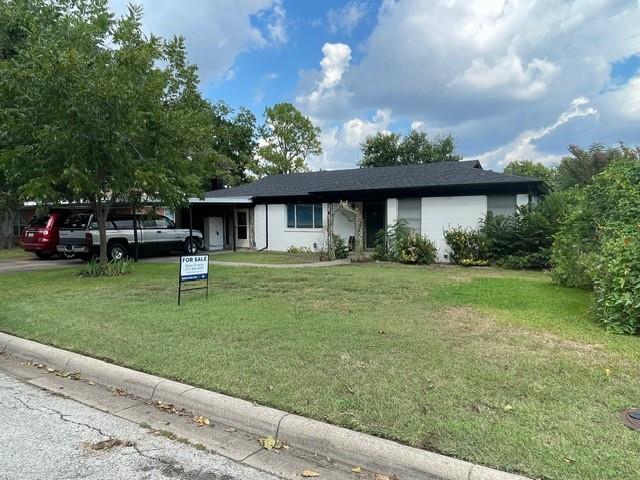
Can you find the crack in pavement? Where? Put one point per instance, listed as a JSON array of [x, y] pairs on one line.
[[62, 416]]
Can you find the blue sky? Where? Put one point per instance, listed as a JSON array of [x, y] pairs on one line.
[[509, 79]]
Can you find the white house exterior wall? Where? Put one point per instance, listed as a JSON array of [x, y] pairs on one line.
[[281, 237], [260, 230], [343, 225], [441, 213], [522, 199]]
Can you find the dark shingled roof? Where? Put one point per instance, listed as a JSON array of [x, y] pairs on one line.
[[410, 177]]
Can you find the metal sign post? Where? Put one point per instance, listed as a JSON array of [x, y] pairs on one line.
[[193, 268]]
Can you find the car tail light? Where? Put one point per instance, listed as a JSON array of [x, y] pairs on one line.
[[88, 239]]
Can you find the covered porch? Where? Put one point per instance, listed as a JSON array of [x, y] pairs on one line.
[[226, 224]]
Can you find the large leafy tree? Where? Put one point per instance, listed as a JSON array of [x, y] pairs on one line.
[[529, 168], [289, 139], [385, 149], [18, 18], [582, 165], [235, 143], [104, 111]]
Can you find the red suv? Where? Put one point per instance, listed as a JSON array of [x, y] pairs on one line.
[[40, 236]]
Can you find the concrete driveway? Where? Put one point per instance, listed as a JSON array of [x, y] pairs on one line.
[[35, 264]]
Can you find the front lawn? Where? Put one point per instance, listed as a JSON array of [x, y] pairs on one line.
[[495, 367], [266, 257], [12, 254]]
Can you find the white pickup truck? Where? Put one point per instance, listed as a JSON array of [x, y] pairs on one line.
[[79, 236]]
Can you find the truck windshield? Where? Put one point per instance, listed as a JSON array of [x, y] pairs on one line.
[[76, 221]]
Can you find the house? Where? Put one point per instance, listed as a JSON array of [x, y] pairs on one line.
[[301, 209]]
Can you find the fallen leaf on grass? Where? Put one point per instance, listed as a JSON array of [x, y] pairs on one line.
[[568, 460], [201, 421], [310, 473], [108, 444], [507, 408], [356, 469]]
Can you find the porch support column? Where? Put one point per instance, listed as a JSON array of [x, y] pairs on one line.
[[233, 227], [392, 211]]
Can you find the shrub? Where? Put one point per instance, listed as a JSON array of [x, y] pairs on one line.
[[294, 249], [114, 268], [575, 245], [467, 246], [616, 279], [521, 240], [340, 249], [524, 239], [402, 244]]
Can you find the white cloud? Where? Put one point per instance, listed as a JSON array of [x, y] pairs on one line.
[[509, 75], [356, 129], [341, 143], [523, 146], [490, 72], [277, 24], [335, 62], [230, 74], [625, 100], [346, 19], [215, 33]]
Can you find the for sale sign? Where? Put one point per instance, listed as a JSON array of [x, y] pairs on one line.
[[194, 267]]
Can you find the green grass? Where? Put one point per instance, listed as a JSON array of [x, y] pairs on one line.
[[9, 255], [495, 367], [266, 257]]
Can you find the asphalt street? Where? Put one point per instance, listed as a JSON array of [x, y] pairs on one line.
[[47, 436]]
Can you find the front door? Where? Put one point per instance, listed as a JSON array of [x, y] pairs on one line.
[[242, 228], [373, 221]]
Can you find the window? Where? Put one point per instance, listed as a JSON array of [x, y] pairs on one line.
[[410, 210], [304, 215], [242, 225], [164, 223], [122, 223], [501, 204], [39, 221], [78, 221]]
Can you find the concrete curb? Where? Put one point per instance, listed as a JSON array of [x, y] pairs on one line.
[[340, 444]]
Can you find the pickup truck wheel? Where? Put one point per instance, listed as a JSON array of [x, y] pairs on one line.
[[116, 251], [190, 246]]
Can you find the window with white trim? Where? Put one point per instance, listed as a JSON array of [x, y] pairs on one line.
[[304, 215], [410, 210]]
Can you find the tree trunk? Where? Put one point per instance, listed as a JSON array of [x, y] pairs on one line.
[[102, 212], [7, 217]]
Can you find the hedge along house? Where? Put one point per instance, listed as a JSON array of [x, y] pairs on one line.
[[303, 209]]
